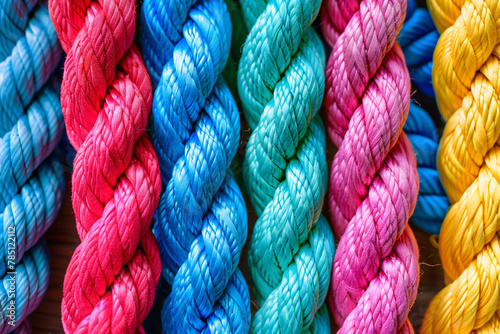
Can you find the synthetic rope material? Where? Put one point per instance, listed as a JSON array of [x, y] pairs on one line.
[[467, 83], [373, 183], [432, 203], [281, 82], [31, 125], [106, 97], [201, 221], [418, 38]]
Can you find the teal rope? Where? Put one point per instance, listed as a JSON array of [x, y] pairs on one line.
[[281, 83]]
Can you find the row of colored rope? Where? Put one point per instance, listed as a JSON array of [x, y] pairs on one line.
[[31, 181]]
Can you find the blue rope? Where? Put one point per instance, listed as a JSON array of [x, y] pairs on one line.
[[418, 38], [13, 22], [432, 203], [201, 220], [29, 66], [31, 124]]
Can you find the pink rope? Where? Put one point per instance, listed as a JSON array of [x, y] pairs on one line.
[[374, 183], [106, 98]]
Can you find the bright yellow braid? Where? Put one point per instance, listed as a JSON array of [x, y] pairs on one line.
[[467, 83]]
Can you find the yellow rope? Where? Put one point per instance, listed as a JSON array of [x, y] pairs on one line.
[[467, 83]]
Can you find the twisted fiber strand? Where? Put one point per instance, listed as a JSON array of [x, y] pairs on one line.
[[373, 181], [13, 20], [32, 281], [418, 38], [201, 222], [106, 96], [29, 202], [29, 142], [30, 213], [466, 75], [28, 66], [432, 203], [281, 82]]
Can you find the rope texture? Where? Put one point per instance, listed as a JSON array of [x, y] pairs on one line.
[[106, 97], [201, 221], [31, 189], [466, 77], [373, 183], [432, 203], [418, 38], [281, 83]]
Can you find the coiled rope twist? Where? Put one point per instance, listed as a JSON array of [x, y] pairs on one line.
[[281, 82], [417, 39], [201, 221], [432, 203], [106, 97], [467, 83], [373, 181], [31, 189]]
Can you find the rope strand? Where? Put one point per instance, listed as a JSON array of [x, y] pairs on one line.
[[373, 182], [465, 74], [110, 282], [281, 82], [201, 221]]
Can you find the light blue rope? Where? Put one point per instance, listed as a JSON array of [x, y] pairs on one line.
[[201, 221], [281, 83], [418, 38], [29, 142], [29, 66], [432, 203], [31, 124], [32, 281], [13, 22]]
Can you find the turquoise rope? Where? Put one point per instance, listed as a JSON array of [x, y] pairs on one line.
[[281, 83], [201, 220], [31, 180]]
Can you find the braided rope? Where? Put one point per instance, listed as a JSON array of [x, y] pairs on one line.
[[106, 97], [465, 74], [281, 82], [30, 189], [417, 39], [432, 203], [201, 221], [373, 181], [14, 17], [27, 69]]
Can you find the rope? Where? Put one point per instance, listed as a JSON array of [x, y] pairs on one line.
[[201, 221], [31, 185], [417, 39], [106, 97], [281, 82], [30, 213], [373, 183], [465, 74], [432, 203]]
